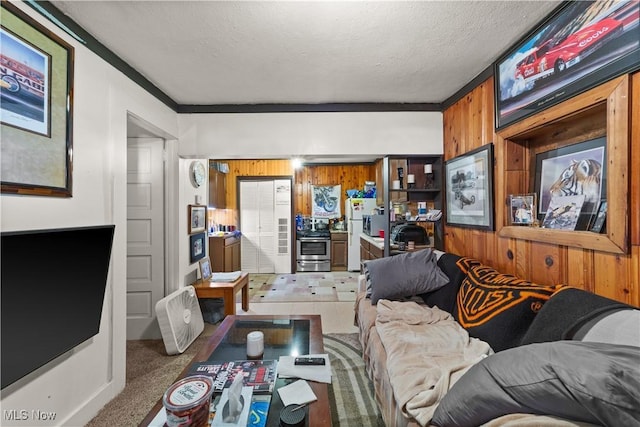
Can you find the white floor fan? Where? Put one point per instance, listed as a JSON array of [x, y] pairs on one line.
[[180, 319]]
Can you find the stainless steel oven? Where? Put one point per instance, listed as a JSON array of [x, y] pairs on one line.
[[313, 253]]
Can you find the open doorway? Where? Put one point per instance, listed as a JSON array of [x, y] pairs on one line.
[[148, 191]]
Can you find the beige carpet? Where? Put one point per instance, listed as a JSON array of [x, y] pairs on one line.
[[150, 371], [332, 286]]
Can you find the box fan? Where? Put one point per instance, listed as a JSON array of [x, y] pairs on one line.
[[180, 319]]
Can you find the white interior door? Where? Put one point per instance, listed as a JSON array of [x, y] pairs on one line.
[[257, 222], [145, 236]]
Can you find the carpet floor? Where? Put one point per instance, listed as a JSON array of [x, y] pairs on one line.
[[150, 371], [332, 286]]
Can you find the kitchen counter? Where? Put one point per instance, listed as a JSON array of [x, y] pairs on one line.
[[376, 241]]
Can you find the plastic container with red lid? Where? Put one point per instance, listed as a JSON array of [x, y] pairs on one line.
[[187, 402]]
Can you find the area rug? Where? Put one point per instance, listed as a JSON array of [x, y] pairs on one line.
[[332, 286], [351, 394]]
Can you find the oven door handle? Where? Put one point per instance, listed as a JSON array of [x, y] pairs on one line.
[[313, 239]]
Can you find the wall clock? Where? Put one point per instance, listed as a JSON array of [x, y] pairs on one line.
[[197, 173]]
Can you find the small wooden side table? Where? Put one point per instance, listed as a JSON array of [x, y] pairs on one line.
[[227, 291]]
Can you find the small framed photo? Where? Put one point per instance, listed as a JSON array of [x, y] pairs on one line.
[[522, 209], [197, 247], [205, 269], [601, 217], [197, 218]]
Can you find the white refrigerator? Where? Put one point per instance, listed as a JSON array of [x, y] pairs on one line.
[[353, 211]]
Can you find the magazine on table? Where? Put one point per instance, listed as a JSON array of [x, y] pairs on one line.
[[259, 374]]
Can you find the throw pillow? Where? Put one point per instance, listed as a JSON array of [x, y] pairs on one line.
[[589, 382], [498, 308], [445, 297], [619, 327], [404, 275]]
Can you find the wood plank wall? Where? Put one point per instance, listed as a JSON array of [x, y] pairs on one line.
[[469, 124], [348, 176]]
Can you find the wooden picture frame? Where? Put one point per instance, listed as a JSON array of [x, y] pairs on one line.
[[197, 247], [568, 53], [36, 107], [205, 269], [197, 219], [469, 189]]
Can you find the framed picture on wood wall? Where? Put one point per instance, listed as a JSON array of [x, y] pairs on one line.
[[581, 45], [577, 169], [36, 87], [469, 189]]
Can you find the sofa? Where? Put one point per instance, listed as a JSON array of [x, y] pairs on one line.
[[448, 341]]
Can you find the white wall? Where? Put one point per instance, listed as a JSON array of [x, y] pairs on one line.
[[273, 135], [76, 385]]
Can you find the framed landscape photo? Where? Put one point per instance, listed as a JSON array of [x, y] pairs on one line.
[[36, 87], [579, 46], [197, 218], [577, 169], [197, 247], [469, 189]]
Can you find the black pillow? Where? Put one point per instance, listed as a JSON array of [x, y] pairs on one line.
[[590, 382], [566, 310], [445, 297]]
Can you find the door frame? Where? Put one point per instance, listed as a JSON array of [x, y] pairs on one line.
[[140, 128]]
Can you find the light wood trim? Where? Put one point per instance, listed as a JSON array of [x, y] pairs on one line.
[[616, 96]]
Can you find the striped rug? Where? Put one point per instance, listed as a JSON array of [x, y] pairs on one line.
[[351, 393]]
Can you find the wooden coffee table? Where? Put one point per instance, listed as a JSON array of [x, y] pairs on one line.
[[282, 334]]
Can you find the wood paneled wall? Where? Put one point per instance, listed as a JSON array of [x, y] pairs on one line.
[[469, 124], [352, 176], [348, 176]]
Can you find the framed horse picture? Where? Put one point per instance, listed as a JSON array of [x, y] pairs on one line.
[[572, 170]]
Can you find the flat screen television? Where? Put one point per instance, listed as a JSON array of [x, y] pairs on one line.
[[51, 294]]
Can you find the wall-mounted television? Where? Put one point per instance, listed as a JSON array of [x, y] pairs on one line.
[[51, 294]]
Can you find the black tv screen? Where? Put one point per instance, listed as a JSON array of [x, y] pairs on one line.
[[51, 294]]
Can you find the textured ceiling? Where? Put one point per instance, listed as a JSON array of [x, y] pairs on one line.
[[245, 52]]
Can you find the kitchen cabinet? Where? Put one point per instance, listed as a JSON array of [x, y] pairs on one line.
[[370, 250], [217, 188], [224, 253], [339, 251], [427, 186]]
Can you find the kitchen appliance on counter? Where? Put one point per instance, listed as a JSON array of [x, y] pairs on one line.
[[354, 210], [409, 233], [373, 224], [313, 250]]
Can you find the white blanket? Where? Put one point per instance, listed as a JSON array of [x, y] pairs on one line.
[[427, 351]]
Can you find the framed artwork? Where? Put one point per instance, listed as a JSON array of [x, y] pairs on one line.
[[197, 247], [205, 269], [469, 189], [197, 218], [570, 171], [597, 225], [563, 212], [36, 88], [522, 209], [579, 46]]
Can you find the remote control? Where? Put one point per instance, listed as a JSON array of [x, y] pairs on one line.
[[309, 361]]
